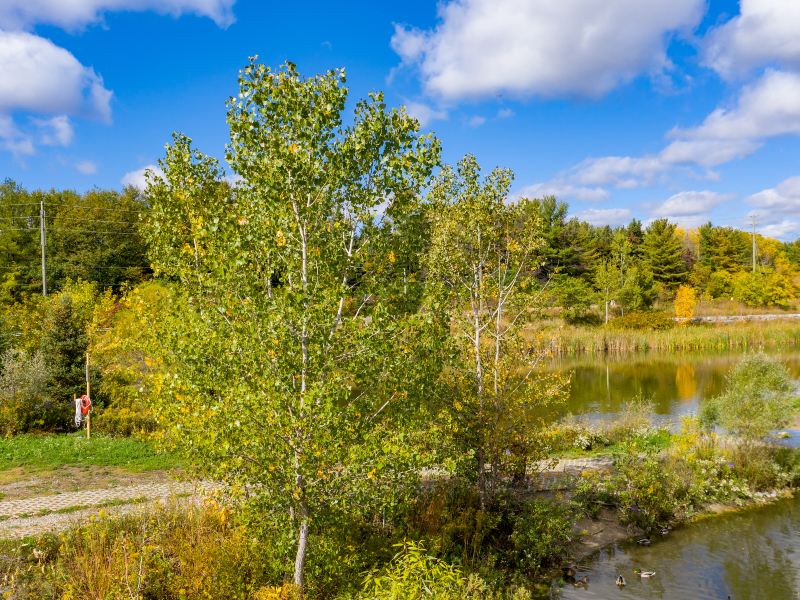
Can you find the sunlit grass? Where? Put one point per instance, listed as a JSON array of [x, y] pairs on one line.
[[33, 452]]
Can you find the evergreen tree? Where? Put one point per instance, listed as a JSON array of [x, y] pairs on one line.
[[663, 254]]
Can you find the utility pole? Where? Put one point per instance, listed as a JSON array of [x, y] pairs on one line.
[[88, 414], [41, 231], [753, 220]]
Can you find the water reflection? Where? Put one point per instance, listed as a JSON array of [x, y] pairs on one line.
[[675, 384], [751, 556]]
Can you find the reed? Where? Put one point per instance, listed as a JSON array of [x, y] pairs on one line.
[[574, 340]]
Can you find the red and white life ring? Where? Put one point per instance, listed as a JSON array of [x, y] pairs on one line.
[[86, 404]]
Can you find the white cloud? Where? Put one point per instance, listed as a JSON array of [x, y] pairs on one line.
[[619, 171], [138, 177], [767, 108], [563, 190], [57, 131], [424, 113], [706, 153], [689, 204], [764, 32], [40, 77], [505, 113], [782, 230], [605, 216], [774, 209], [86, 167], [12, 139], [783, 198], [476, 121], [540, 47], [75, 14]]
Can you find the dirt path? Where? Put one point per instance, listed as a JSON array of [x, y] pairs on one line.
[[35, 504]]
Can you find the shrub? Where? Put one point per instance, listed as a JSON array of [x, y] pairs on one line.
[[414, 574], [649, 495], [758, 397], [24, 399], [652, 321], [756, 466], [542, 535], [124, 421]]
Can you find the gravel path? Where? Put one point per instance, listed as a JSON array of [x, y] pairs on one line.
[[31, 516]]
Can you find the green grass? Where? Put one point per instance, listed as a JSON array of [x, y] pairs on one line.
[[45, 452], [651, 442]]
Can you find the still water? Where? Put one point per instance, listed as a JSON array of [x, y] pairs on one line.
[[750, 556], [754, 555], [675, 384]]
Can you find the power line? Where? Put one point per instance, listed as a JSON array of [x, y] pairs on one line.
[[80, 219], [3, 229], [91, 208]]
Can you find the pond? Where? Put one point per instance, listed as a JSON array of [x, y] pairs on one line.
[[752, 555], [675, 384]]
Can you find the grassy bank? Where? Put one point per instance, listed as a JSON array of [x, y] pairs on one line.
[[503, 552], [574, 340], [32, 452]]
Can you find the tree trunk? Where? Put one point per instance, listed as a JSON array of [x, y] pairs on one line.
[[302, 545]]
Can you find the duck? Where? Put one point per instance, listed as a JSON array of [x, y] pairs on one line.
[[582, 582], [620, 581], [644, 542], [568, 571], [641, 573]]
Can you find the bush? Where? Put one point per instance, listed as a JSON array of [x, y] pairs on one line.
[[542, 536], [652, 321], [649, 495], [124, 422], [758, 397], [414, 574], [757, 467], [24, 399]]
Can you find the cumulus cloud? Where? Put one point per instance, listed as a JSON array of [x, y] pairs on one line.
[[57, 131], [138, 178], [539, 47], [424, 113], [764, 32], [75, 14], [619, 171], [563, 190], [86, 167], [476, 121], [783, 198], [689, 204], [605, 216], [40, 77], [765, 109], [782, 230]]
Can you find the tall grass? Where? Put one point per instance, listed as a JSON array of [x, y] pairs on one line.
[[575, 340]]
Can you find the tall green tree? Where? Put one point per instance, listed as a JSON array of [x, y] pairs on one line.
[[480, 256], [663, 254], [289, 370]]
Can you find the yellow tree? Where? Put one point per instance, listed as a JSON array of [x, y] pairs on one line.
[[685, 303]]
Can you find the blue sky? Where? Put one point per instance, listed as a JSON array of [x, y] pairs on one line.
[[680, 108]]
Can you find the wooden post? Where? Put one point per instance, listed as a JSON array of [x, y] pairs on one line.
[[89, 414]]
